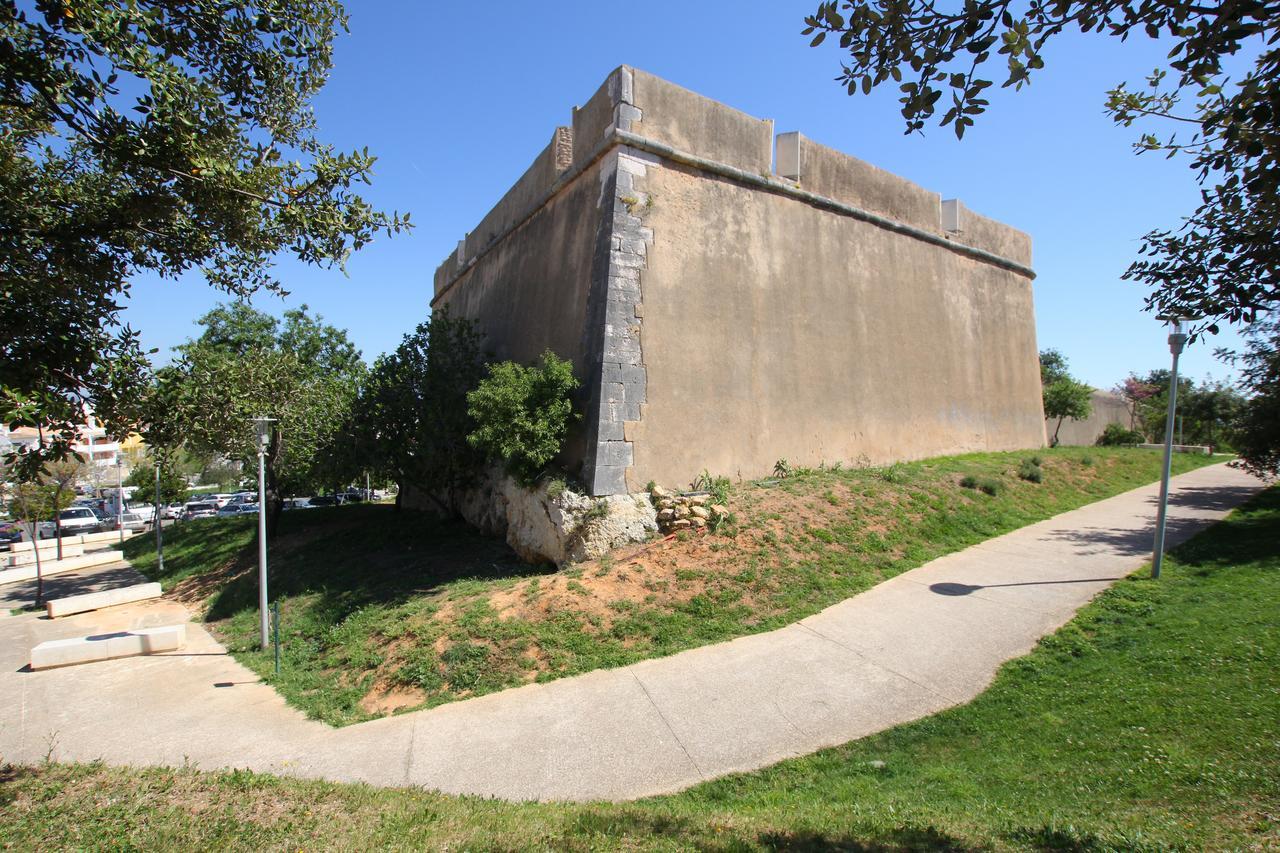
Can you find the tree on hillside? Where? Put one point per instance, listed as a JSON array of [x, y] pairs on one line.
[[1053, 367], [307, 379], [173, 486], [155, 137], [1064, 399], [1062, 395], [1257, 433], [1223, 263], [1135, 392], [414, 409]]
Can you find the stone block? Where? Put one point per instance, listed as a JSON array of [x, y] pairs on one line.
[[97, 647], [98, 600], [613, 453]]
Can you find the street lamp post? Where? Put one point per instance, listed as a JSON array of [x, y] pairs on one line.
[[120, 495], [263, 426], [1177, 340], [158, 519]]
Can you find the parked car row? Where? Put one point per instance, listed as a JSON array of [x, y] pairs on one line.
[[75, 520]]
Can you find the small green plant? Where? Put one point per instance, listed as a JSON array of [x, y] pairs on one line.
[[599, 509], [718, 487], [523, 413], [465, 665], [1086, 460], [1036, 460], [1031, 471], [577, 588], [556, 487], [990, 486], [782, 469], [895, 473]]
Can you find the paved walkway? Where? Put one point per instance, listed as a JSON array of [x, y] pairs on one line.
[[926, 640]]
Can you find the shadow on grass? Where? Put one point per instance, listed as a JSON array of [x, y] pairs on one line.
[[621, 827], [349, 556]]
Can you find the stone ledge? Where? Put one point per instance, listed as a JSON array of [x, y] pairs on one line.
[[98, 600], [54, 567], [96, 647]]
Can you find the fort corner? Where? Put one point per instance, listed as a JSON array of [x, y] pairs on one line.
[[728, 301]]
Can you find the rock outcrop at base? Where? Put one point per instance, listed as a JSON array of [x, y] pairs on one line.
[[549, 522]]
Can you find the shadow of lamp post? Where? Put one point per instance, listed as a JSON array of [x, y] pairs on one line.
[[1177, 341]]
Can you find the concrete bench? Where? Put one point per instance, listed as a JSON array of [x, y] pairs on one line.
[[1196, 449], [54, 567], [98, 600], [24, 557], [122, 644]]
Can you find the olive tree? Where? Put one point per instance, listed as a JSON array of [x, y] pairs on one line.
[[154, 136]]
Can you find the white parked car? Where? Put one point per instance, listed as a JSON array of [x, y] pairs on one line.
[[238, 509], [74, 520], [199, 509], [171, 511]]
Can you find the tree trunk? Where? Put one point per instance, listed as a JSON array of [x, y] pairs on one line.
[[1054, 443], [35, 540], [57, 531]]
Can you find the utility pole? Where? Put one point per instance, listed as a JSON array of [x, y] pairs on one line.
[[1177, 340]]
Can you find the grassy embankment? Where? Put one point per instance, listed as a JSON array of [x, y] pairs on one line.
[[1150, 722], [384, 611]]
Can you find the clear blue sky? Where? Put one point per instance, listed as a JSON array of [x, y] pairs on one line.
[[457, 99]]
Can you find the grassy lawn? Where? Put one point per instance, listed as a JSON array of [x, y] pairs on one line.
[[385, 612], [1150, 722]]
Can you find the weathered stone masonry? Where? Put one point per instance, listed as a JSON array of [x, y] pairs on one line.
[[722, 314]]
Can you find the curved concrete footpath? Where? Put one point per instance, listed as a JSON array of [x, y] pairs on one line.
[[924, 641]]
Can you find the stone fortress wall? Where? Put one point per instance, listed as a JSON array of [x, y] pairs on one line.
[[728, 301]]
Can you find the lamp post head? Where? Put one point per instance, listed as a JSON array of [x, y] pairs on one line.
[[1178, 331], [263, 428]]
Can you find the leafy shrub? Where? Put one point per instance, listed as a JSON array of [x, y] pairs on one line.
[[523, 413], [990, 486], [1031, 471], [782, 469], [1115, 435], [1086, 460]]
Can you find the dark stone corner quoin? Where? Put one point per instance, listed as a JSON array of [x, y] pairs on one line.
[[728, 299]]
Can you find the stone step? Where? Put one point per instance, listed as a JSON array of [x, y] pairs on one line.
[[106, 537], [29, 557], [96, 647], [98, 600], [54, 567]]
